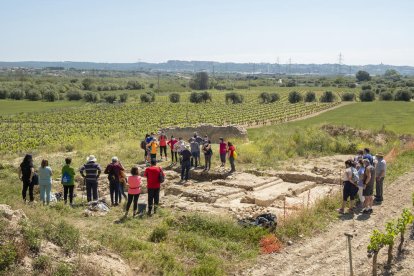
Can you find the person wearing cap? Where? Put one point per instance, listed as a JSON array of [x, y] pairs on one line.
[[223, 152], [380, 169], [186, 162], [91, 172], [195, 152], [113, 170], [368, 182], [179, 147]]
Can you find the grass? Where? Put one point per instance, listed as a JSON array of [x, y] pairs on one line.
[[8, 107]]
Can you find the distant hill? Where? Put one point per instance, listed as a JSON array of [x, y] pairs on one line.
[[218, 67]]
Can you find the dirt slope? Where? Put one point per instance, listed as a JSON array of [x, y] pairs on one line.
[[326, 253]]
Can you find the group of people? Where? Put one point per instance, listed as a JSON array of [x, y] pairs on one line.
[[187, 153], [359, 178], [91, 172]]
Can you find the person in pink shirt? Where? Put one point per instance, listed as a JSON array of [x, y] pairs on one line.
[[163, 145], [223, 152], [174, 153], [134, 190]]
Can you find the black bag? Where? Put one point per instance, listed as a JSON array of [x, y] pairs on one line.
[[35, 179], [143, 144], [161, 177]]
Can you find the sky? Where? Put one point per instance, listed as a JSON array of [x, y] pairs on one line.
[[305, 31]]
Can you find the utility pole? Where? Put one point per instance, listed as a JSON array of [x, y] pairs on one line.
[[340, 61], [158, 75]]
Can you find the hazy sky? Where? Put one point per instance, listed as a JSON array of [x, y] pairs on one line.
[[307, 31]]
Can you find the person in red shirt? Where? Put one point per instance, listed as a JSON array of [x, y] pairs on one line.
[[163, 145], [171, 144], [113, 170], [232, 149], [223, 151], [153, 185]]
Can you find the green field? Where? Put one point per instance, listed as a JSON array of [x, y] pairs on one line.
[[8, 107]]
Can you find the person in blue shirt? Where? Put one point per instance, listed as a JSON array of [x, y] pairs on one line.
[[367, 155]]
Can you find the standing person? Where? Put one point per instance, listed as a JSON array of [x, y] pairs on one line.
[[208, 152], [367, 155], [195, 152], [152, 146], [144, 147], [223, 152], [186, 163], [26, 173], [91, 172], [153, 185], [134, 190], [350, 187], [361, 172], [163, 145], [123, 181], [68, 181], [359, 156], [369, 179], [148, 140], [179, 147], [380, 169], [232, 156], [113, 170], [45, 182], [171, 144]]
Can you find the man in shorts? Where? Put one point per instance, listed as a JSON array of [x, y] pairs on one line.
[[369, 178]]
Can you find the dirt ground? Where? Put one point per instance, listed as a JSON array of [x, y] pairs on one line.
[[327, 254]]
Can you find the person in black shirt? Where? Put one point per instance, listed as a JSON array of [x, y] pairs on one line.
[[26, 173], [186, 162]]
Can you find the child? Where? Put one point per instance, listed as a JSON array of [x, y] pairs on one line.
[[134, 182], [68, 181]]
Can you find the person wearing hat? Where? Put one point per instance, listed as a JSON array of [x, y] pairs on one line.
[[91, 172], [186, 162], [380, 169], [113, 170], [368, 182]]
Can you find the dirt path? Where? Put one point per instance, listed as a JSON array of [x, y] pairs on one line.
[[326, 253], [304, 117]]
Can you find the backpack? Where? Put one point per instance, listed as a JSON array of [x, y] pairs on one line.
[[143, 144], [66, 178], [234, 154], [355, 177], [161, 177], [35, 179]]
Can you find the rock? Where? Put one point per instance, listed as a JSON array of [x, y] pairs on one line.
[[290, 243]]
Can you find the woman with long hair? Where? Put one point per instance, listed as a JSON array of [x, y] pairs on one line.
[[26, 173]]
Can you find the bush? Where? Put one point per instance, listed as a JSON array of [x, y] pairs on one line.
[[234, 98], [50, 96], [291, 83], [42, 264], [295, 97], [8, 255], [33, 95], [16, 94], [362, 76], [310, 97], [274, 97], [198, 97], [367, 96], [110, 98], [64, 235], [174, 97], [4, 94], [366, 87], [327, 97], [386, 96], [63, 270], [123, 97], [91, 97], [159, 234], [199, 81], [348, 97], [264, 97], [135, 85], [403, 95], [148, 97], [32, 236], [351, 85], [74, 95]]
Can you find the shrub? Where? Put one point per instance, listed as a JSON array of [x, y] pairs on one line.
[[74, 95], [110, 98], [135, 85], [174, 97], [64, 235], [362, 76], [348, 97], [91, 97], [206, 96], [366, 87], [327, 97], [159, 234], [367, 96], [310, 97], [8, 255], [123, 97], [4, 94], [274, 97], [148, 97], [264, 97], [42, 264], [63, 269], [16, 94], [386, 96], [50, 96], [199, 81], [32, 236], [33, 95], [351, 85], [234, 98], [295, 97], [403, 95], [291, 83]]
